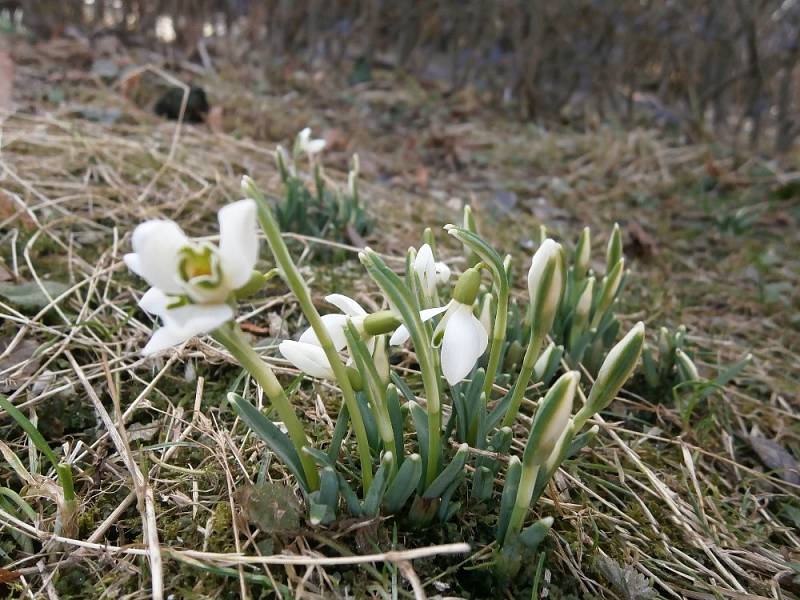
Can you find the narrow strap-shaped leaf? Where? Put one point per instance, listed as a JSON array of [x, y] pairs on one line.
[[533, 535], [339, 431], [513, 474], [378, 488], [402, 386], [30, 429], [404, 484], [277, 441], [420, 418], [396, 418], [350, 497], [439, 485]]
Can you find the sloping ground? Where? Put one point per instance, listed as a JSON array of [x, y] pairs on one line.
[[686, 498]]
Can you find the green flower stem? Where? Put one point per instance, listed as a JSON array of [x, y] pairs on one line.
[[524, 494], [233, 339], [525, 373], [65, 479], [400, 295], [298, 287]]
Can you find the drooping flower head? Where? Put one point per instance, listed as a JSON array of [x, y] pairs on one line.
[[193, 281]]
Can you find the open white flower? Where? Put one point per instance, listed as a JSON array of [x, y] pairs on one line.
[[309, 358], [430, 272], [307, 354], [462, 336], [307, 145], [193, 281]]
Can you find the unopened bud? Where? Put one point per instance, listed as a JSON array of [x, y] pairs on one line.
[[610, 286], [614, 248], [381, 359], [545, 284], [614, 372], [686, 367], [551, 419], [583, 253]]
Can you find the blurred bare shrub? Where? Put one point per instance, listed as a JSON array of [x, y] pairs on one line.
[[709, 68]]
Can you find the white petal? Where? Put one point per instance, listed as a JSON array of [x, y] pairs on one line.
[[315, 146], [133, 263], [157, 244], [442, 273], [185, 322], [163, 338], [464, 342], [335, 324], [154, 302], [426, 269], [401, 334], [346, 304], [238, 242], [308, 358]]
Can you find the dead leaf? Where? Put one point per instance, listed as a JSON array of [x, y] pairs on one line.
[[6, 80], [253, 328], [776, 458], [5, 272]]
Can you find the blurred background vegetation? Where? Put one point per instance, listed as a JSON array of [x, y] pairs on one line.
[[709, 69]]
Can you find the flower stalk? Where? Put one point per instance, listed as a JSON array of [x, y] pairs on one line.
[[231, 336], [300, 290]]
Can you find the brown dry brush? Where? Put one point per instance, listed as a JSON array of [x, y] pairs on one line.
[[709, 69]]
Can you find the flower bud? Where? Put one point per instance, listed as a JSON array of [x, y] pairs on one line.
[[614, 372], [551, 419], [686, 367], [610, 286], [545, 284], [614, 248], [583, 254], [425, 268]]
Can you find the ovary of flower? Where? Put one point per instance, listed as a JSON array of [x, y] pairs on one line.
[[430, 272], [308, 146], [192, 281], [463, 338]]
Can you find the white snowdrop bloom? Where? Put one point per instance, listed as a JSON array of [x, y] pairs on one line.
[[307, 145], [192, 281], [462, 336], [430, 272], [309, 358]]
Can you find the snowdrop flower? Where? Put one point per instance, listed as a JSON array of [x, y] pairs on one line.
[[309, 358], [545, 283], [462, 336], [192, 281], [308, 146], [307, 355], [430, 272]]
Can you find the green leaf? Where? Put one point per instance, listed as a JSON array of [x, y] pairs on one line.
[[30, 295], [439, 485], [404, 484], [277, 441], [513, 474], [30, 429], [378, 488]]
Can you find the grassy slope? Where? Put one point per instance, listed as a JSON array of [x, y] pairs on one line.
[[683, 498]]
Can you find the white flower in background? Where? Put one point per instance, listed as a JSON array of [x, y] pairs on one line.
[[309, 358], [462, 336], [307, 145], [192, 281], [430, 272], [307, 355]]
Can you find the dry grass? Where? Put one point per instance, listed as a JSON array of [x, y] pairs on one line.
[[162, 462]]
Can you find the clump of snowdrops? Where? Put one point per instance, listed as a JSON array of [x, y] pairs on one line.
[[469, 340]]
